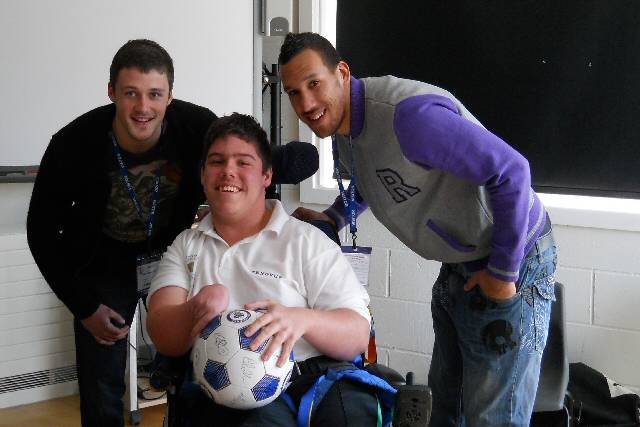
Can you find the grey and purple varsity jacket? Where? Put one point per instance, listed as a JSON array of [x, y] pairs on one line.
[[437, 179]]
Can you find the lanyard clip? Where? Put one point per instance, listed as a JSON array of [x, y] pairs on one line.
[[353, 240]]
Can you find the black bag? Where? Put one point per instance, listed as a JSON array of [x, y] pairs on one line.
[[597, 401]]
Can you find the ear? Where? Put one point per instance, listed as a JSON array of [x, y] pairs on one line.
[[111, 92], [344, 71], [170, 98], [267, 177]]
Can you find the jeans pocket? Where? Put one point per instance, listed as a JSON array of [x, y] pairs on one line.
[[539, 294], [543, 297], [496, 301]]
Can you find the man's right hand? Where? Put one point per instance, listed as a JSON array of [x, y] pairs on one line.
[[100, 325], [304, 214], [207, 304]]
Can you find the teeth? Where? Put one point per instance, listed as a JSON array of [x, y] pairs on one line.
[[229, 189], [317, 116]]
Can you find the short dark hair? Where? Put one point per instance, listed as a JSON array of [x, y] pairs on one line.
[[244, 127], [143, 54], [296, 43]]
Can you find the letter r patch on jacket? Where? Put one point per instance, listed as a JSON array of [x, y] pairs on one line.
[[395, 185]]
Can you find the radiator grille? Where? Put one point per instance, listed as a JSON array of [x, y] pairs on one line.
[[38, 379]]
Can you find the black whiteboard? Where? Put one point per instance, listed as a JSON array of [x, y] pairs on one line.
[[558, 80]]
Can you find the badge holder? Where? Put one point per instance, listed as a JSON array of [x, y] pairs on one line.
[[146, 268], [358, 256], [360, 259]]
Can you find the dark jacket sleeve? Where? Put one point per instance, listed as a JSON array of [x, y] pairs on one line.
[[192, 122], [195, 118], [50, 212]]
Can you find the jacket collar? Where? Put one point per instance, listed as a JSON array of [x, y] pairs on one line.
[[357, 107]]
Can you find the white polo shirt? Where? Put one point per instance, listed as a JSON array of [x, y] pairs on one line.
[[289, 261]]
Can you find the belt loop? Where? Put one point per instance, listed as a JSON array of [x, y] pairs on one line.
[[537, 248], [547, 225]]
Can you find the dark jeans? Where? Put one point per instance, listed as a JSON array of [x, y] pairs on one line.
[[101, 368]]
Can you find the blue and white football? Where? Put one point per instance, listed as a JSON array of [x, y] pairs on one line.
[[229, 372]]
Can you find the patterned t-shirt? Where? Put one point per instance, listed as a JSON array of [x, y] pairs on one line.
[[121, 220]]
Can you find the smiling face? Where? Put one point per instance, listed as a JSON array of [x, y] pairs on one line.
[[234, 181], [141, 101], [319, 96]]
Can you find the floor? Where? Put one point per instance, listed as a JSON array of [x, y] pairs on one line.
[[65, 412]]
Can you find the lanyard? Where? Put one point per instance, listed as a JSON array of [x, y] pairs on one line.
[[350, 204], [124, 171]]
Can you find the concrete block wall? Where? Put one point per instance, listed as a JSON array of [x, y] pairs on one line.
[[601, 271]]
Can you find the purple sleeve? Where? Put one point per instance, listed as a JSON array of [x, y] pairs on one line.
[[337, 211], [433, 134]]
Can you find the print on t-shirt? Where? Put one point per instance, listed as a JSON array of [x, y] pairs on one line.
[[121, 221]]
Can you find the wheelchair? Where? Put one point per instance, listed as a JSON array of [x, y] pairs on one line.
[[184, 397]]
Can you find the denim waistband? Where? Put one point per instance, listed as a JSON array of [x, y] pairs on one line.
[[544, 241]]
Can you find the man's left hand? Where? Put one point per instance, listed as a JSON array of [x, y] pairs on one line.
[[492, 287], [284, 325]]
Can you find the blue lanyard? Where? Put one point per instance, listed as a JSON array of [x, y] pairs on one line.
[[132, 193], [350, 204]]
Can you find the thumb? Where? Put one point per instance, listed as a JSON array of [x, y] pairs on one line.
[[470, 284], [116, 316]]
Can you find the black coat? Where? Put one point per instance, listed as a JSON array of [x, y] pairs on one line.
[[65, 219]]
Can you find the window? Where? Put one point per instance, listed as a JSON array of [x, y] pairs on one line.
[[321, 188]]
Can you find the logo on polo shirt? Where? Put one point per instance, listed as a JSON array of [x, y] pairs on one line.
[[266, 274]]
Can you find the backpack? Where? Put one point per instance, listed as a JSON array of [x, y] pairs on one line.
[[596, 401]]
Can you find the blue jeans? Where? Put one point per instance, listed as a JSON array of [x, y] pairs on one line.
[[486, 357]]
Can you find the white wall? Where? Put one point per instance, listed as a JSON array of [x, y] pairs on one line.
[[56, 57], [14, 202]]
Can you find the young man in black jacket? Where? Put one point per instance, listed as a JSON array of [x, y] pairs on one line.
[[115, 186]]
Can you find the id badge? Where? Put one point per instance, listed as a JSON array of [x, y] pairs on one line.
[[359, 258], [146, 267]]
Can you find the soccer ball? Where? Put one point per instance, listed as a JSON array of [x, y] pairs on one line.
[[229, 372]]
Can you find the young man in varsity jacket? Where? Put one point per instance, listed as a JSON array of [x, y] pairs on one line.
[[451, 191]]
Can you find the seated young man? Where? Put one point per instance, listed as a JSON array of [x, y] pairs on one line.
[[249, 253]]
